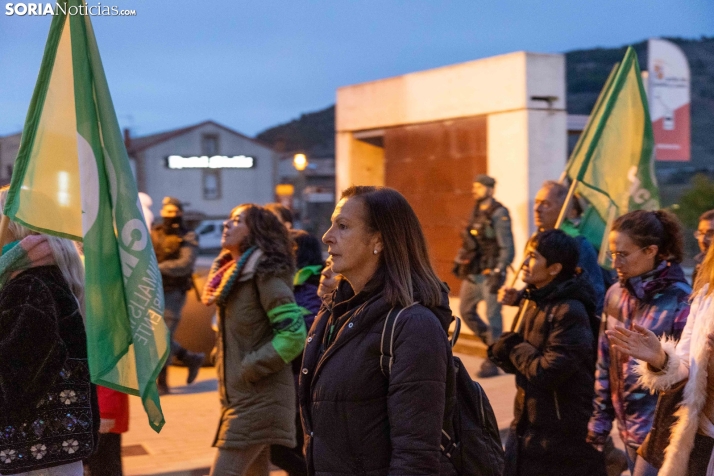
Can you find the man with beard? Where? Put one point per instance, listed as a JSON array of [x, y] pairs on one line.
[[176, 249], [481, 263]]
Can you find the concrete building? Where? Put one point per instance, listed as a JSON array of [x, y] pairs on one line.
[[209, 166], [9, 145], [428, 134]]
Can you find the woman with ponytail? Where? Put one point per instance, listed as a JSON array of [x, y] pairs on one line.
[[653, 298], [260, 331], [49, 415], [665, 363]]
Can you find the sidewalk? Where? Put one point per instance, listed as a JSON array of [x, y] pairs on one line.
[[183, 448]]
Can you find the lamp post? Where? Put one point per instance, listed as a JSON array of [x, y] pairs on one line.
[[300, 163]]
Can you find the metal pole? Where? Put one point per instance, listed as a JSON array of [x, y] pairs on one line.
[[4, 222], [566, 204]]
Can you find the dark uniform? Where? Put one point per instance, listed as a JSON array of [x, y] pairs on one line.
[[481, 263], [176, 250]]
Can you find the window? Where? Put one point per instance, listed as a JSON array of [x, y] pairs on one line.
[[209, 145], [211, 184]]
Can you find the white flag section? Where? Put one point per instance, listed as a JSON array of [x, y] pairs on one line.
[[669, 98], [72, 178]]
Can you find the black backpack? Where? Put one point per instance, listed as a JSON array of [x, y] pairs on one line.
[[470, 439]]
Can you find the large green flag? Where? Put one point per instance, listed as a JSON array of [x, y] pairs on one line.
[[613, 160], [72, 178]]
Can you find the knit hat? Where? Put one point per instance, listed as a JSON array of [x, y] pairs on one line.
[[485, 180]]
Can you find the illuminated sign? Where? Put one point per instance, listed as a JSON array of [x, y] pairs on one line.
[[206, 162]]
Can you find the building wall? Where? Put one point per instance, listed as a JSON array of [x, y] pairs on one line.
[[237, 185], [433, 165], [513, 108], [9, 145]]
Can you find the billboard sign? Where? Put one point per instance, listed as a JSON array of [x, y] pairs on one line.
[[669, 99]]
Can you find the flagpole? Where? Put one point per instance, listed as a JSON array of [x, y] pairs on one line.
[[611, 212], [566, 204], [4, 222]]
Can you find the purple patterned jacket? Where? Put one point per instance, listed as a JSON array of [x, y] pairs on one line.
[[659, 301]]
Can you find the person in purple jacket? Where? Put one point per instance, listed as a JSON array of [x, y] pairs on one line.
[[646, 248]]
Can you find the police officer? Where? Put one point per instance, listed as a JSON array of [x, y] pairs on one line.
[[481, 263], [176, 250]]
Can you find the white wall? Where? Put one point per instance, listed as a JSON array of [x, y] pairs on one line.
[[237, 185]]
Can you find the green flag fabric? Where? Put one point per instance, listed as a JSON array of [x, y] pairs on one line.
[[613, 159], [72, 178]]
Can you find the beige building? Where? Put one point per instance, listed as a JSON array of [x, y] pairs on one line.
[[428, 134]]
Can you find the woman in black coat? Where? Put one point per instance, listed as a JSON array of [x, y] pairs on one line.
[[552, 354], [359, 418], [49, 416]]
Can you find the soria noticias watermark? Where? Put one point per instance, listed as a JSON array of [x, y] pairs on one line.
[[44, 9]]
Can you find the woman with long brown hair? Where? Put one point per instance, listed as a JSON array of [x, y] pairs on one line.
[[260, 331], [665, 363], [364, 413]]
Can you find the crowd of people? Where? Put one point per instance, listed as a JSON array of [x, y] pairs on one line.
[[305, 381]]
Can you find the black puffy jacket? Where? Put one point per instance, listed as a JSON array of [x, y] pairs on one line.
[[554, 365], [357, 421]]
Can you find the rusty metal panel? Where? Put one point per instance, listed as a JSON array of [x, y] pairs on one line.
[[433, 165]]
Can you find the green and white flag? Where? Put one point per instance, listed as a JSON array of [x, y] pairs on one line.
[[613, 161], [72, 178]]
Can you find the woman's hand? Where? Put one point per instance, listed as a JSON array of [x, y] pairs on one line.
[[640, 343]]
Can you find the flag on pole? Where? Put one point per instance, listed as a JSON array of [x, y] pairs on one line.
[[72, 179], [613, 160]]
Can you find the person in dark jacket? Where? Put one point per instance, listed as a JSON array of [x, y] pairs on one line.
[[49, 416], [552, 353], [176, 249], [360, 418], [481, 262]]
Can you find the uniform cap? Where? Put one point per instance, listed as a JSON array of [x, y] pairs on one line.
[[173, 201], [485, 180]]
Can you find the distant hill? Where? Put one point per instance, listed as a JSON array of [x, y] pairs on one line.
[[312, 133], [587, 70]]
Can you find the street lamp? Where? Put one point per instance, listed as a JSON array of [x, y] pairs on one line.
[[300, 162]]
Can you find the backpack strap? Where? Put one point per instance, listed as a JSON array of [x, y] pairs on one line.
[[386, 348]]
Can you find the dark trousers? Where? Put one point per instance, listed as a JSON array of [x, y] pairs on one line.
[[107, 460], [701, 453], [290, 460]]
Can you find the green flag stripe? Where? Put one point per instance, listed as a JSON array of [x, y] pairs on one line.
[[618, 83]]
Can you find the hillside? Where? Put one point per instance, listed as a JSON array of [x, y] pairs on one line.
[[586, 74]]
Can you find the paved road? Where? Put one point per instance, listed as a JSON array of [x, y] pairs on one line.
[[184, 445]]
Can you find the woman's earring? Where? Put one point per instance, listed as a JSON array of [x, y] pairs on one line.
[[375, 251]]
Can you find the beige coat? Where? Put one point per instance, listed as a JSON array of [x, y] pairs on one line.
[[688, 359], [255, 385]]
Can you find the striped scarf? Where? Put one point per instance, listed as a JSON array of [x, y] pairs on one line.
[[30, 252], [223, 275]]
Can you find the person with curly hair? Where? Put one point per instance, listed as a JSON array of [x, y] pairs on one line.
[[260, 331], [646, 248]]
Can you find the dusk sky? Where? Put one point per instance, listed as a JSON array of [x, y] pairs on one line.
[[254, 64]]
